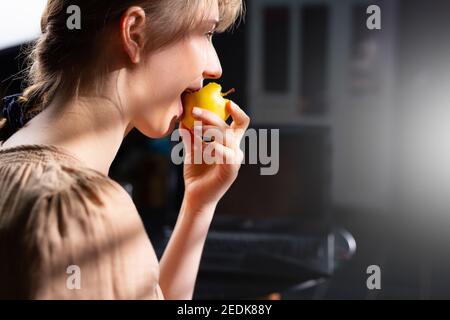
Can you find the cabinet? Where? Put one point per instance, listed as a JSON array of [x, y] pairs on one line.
[[315, 63]]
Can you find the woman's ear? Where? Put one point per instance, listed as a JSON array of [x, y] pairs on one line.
[[132, 32]]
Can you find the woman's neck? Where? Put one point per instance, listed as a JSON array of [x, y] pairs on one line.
[[91, 128]]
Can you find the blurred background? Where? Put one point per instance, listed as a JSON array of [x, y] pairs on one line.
[[364, 120]]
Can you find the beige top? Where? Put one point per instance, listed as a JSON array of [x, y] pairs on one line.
[[55, 213]]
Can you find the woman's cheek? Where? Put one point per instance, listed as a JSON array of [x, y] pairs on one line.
[[196, 55]]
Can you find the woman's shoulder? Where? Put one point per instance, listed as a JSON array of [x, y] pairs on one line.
[[45, 170], [42, 181], [55, 212]]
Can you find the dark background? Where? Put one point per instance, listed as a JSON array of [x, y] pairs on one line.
[[391, 179]]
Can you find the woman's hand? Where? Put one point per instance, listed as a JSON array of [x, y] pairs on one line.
[[205, 184]]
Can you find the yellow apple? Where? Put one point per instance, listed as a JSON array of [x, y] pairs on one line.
[[210, 97]]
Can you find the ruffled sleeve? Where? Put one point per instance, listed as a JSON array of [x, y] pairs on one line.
[[72, 233]]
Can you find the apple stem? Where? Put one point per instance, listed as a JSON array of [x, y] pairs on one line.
[[228, 92]]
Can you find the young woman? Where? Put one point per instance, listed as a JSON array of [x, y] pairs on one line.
[[61, 216]]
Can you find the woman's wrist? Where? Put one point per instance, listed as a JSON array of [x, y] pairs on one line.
[[196, 207]]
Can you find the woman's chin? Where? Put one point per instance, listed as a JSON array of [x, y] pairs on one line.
[[168, 129], [156, 132], [172, 126]]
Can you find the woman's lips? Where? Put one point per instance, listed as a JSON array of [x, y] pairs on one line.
[[180, 110]]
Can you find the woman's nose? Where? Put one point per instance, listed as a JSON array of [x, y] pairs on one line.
[[213, 68]]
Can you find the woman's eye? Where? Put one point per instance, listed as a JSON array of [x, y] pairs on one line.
[[210, 35]]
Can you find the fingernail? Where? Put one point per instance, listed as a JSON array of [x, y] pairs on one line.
[[196, 111]]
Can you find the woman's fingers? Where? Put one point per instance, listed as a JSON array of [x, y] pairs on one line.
[[213, 133], [208, 118], [222, 148], [201, 152], [240, 119], [223, 139], [217, 153]]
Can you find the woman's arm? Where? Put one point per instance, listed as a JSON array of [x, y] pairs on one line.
[[180, 262], [205, 184]]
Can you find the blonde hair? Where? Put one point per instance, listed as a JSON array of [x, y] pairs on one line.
[[60, 59]]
